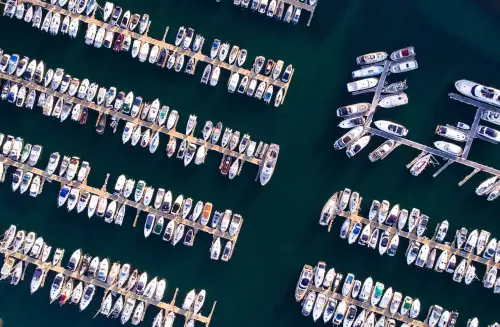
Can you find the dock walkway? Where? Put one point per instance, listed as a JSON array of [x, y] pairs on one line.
[[423, 240], [472, 133], [122, 200], [163, 44], [135, 121], [168, 307], [472, 102], [378, 92], [434, 151]]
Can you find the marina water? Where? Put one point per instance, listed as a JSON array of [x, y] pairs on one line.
[[453, 40]]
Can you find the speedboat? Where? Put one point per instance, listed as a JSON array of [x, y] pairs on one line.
[[391, 128], [485, 131], [371, 58], [353, 109], [348, 137], [352, 122], [56, 287], [452, 133], [357, 146], [486, 186], [403, 54], [368, 71], [328, 211], [449, 148], [393, 100]]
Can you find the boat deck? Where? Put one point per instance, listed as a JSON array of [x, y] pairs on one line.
[[113, 197], [168, 307], [367, 306], [163, 44], [423, 240], [135, 121]]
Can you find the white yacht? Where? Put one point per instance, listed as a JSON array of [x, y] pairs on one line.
[[391, 128], [394, 100], [452, 133], [489, 133], [448, 147], [362, 84], [479, 92], [353, 109]]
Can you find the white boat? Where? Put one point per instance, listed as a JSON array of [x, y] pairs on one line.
[[371, 58], [489, 133], [478, 91], [357, 146], [56, 287], [448, 147], [353, 109], [391, 128], [393, 100], [455, 134], [368, 71], [404, 66]]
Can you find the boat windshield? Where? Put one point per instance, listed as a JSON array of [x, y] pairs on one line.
[[490, 132]]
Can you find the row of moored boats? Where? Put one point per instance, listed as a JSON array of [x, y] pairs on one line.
[[135, 288], [320, 290], [420, 252], [274, 8], [126, 103]]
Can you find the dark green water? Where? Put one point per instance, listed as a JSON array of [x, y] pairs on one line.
[[453, 39]]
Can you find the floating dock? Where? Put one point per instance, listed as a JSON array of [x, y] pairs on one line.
[[136, 121], [119, 199], [163, 44], [365, 305], [168, 307]]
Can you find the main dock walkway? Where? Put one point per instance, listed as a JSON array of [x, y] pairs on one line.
[[135, 121], [168, 307], [163, 44], [434, 151], [378, 92], [113, 197]]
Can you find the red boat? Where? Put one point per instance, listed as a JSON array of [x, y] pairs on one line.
[[118, 42], [225, 165]]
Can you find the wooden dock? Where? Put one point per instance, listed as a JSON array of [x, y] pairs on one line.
[[367, 306], [135, 121], [423, 240], [113, 197], [163, 44], [168, 307]]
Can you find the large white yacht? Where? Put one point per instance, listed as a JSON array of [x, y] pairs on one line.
[[479, 92]]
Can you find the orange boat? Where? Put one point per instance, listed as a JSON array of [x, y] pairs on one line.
[[207, 211]]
